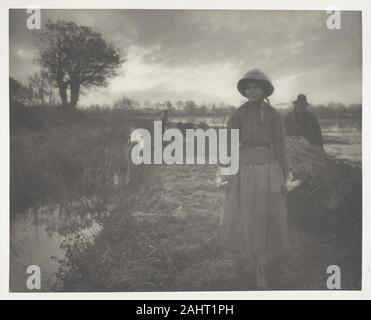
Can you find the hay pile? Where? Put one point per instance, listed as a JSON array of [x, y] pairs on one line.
[[326, 180]]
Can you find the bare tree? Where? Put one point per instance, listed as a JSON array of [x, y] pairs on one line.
[[18, 93], [76, 56], [125, 104], [37, 85]]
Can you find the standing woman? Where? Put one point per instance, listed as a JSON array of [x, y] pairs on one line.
[[254, 215]]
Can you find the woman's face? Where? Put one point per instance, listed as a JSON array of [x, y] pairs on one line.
[[254, 91]]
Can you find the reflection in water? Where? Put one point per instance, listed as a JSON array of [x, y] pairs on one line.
[[344, 138], [31, 244], [36, 235]]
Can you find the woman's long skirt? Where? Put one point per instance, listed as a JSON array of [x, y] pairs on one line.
[[254, 215]]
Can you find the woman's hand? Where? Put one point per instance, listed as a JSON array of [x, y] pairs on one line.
[[288, 181], [221, 180]]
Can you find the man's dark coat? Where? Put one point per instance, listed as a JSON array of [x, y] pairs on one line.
[[304, 124]]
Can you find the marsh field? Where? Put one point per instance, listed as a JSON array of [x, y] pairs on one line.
[[73, 214]]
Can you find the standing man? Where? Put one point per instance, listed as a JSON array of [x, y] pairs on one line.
[[164, 120], [301, 122]]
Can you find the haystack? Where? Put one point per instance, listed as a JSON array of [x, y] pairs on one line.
[[327, 181]]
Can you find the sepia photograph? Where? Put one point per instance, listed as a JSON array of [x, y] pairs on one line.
[[172, 150]]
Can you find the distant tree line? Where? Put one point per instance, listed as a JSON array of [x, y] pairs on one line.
[[337, 110], [189, 107], [41, 91]]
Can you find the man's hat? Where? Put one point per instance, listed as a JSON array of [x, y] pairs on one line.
[[302, 100]]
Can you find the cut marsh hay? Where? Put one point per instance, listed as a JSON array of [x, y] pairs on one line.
[[327, 181]]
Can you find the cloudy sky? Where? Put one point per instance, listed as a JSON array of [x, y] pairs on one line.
[[201, 54]]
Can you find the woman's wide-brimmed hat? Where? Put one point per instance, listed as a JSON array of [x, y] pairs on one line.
[[256, 75], [302, 100]]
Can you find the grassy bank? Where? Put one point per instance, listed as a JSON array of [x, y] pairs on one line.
[[54, 158]]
